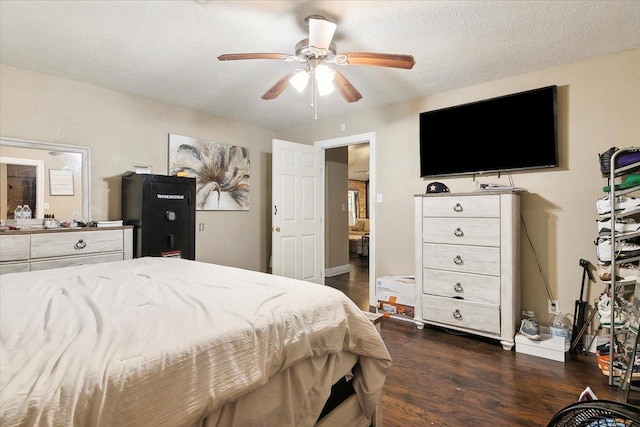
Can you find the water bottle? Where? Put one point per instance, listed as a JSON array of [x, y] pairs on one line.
[[17, 215], [559, 326], [26, 215]]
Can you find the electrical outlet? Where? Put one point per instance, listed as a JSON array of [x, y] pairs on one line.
[[553, 306]]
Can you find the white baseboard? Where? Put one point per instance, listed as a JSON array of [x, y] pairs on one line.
[[334, 271]]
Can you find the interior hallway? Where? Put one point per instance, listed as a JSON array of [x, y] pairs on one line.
[[354, 284]]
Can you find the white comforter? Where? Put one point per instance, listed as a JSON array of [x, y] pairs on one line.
[[162, 341]]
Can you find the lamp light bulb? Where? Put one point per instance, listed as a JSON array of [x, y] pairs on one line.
[[299, 80], [324, 79]]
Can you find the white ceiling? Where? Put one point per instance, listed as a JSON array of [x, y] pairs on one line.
[[167, 50]]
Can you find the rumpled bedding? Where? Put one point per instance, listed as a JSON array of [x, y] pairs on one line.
[[165, 341]]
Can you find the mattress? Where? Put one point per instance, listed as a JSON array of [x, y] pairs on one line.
[[164, 341]]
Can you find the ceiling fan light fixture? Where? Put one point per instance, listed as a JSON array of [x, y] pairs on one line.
[[320, 32], [299, 80], [315, 52], [324, 79]]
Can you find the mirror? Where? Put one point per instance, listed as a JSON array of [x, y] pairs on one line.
[[352, 199], [50, 178]]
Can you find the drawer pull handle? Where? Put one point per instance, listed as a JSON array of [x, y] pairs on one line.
[[457, 315], [458, 208], [458, 288], [457, 260], [458, 232], [80, 245]]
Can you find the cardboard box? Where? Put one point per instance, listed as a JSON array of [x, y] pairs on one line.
[[549, 347], [396, 295]]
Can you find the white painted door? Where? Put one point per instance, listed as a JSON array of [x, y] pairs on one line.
[[298, 211]]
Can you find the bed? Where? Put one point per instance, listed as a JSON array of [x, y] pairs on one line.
[[174, 342]]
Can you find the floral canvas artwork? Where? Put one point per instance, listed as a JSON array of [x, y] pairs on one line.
[[221, 171]]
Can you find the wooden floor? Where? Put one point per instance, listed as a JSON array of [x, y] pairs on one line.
[[354, 284], [440, 378]]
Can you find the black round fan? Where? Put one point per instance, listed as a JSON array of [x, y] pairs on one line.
[[597, 413]]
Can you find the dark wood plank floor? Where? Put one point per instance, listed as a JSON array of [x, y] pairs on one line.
[[355, 283], [450, 379]]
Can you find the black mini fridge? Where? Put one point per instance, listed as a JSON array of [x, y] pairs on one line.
[[162, 210]]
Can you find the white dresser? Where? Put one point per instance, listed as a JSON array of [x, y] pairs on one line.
[[31, 250], [467, 263]]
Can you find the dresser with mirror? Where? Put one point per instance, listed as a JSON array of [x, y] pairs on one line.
[[53, 179]]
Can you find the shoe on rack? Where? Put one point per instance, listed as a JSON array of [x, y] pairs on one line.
[[530, 327], [631, 180], [623, 204], [603, 303], [603, 348], [605, 160], [624, 250], [627, 271], [624, 159], [623, 225]]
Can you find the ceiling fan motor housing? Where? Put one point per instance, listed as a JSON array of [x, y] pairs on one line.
[[304, 51]]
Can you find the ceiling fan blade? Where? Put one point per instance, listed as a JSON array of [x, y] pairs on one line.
[[320, 32], [346, 89], [275, 90], [236, 56], [380, 59]]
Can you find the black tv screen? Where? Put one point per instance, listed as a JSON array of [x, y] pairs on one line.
[[507, 133]]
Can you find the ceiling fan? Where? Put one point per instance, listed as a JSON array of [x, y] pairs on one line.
[[316, 53]]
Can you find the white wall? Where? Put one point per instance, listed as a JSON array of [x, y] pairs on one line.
[[124, 130], [599, 107]]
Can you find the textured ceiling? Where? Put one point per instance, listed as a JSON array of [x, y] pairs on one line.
[[167, 50]]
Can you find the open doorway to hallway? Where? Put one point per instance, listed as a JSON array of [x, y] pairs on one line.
[[351, 276]]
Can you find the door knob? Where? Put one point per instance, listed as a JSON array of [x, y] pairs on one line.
[[277, 229]]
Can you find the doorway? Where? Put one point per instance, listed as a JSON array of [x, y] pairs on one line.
[[23, 184], [21, 188], [367, 264]]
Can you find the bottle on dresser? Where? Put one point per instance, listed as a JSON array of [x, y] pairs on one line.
[[17, 215], [50, 221], [26, 216]]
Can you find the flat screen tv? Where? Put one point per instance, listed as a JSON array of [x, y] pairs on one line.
[[507, 133]]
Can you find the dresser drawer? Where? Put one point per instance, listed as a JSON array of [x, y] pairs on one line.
[[71, 261], [471, 287], [462, 259], [76, 243], [14, 248], [44, 249], [14, 267], [462, 231], [461, 313], [460, 207]]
